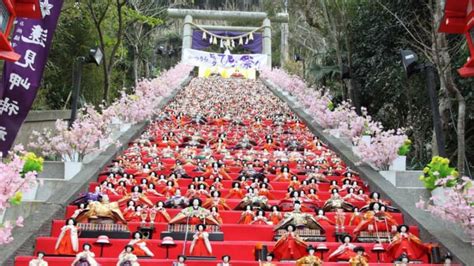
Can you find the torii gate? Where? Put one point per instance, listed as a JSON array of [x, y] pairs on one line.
[[190, 14]]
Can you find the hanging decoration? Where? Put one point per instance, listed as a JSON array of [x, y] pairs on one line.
[[228, 42]]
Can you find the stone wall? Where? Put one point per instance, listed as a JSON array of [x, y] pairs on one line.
[[39, 120]]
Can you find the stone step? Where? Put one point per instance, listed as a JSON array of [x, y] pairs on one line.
[[49, 187], [404, 179], [25, 209]]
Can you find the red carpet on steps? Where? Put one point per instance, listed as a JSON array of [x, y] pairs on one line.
[[232, 107]]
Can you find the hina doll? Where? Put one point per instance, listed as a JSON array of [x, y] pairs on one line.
[[356, 217], [360, 259], [235, 192], [80, 208], [201, 246], [86, 257], [448, 259], [181, 261], [88, 197], [337, 202], [140, 246], [215, 214], [333, 185], [217, 183], [299, 219], [144, 184], [177, 200], [169, 190], [265, 191], [352, 197], [159, 214], [284, 175], [150, 191], [202, 192], [275, 215], [375, 197], [68, 240], [322, 219], [217, 171], [294, 182], [252, 199], [289, 193], [260, 218], [121, 189], [306, 204], [244, 183], [406, 242], [312, 195], [290, 246], [161, 182], [376, 220], [39, 260], [138, 196], [102, 210], [129, 211], [361, 193], [345, 251], [191, 192], [247, 216], [216, 201], [346, 183], [225, 261], [194, 214], [108, 189], [152, 178], [268, 260], [403, 260], [127, 257], [311, 259], [267, 181]]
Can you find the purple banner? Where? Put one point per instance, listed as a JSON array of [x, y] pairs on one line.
[[254, 46], [21, 80]]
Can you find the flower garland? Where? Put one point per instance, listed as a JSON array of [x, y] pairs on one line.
[[18, 173], [75, 142], [384, 145], [457, 208]]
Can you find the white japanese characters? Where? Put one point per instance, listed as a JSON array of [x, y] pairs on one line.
[[9, 107]]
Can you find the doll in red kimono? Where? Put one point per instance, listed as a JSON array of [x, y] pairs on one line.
[[290, 246], [68, 240], [247, 216], [158, 213], [406, 242], [216, 201], [260, 219], [201, 246], [275, 216], [236, 192], [345, 251]]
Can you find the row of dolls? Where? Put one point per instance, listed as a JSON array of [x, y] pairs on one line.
[[87, 257], [289, 247], [292, 247], [200, 188], [282, 172], [165, 187], [68, 244]]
